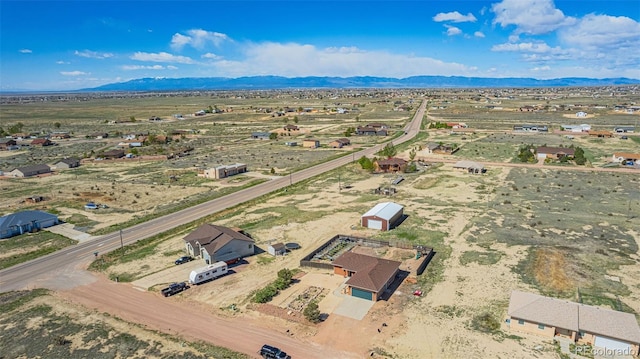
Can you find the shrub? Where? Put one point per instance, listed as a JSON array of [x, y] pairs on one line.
[[312, 313]]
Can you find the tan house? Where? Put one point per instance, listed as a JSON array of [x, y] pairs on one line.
[[217, 243], [30, 171], [556, 153], [310, 143], [224, 171], [582, 324], [339, 143], [388, 165], [369, 277]]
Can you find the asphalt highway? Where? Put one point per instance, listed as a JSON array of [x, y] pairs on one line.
[[64, 269]]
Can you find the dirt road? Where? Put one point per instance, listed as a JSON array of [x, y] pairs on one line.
[[193, 321]]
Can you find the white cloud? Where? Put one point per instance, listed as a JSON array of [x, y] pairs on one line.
[[478, 34], [602, 31], [541, 69], [74, 73], [171, 67], [294, 60], [161, 57], [535, 47], [211, 56], [141, 67], [60, 62], [452, 30], [454, 17], [25, 51], [93, 54], [198, 39], [530, 17]]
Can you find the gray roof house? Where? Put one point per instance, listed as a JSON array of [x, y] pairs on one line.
[[580, 323], [66, 163], [24, 222], [29, 171], [217, 243]]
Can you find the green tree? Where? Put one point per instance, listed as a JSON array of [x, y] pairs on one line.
[[411, 167], [295, 119], [579, 156], [412, 154], [273, 171], [388, 151], [286, 274], [132, 118], [366, 163], [273, 136], [311, 312], [525, 154], [57, 125], [17, 128]]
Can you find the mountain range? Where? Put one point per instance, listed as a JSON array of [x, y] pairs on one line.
[[278, 82]]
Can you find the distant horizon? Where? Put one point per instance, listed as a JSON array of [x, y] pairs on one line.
[[69, 45]]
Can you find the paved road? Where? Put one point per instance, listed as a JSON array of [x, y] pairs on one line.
[[62, 269]]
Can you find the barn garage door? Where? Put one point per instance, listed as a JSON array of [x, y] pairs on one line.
[[373, 224], [361, 294], [613, 344]]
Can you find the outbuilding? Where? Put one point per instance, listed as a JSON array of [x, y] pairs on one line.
[[383, 216], [277, 249]]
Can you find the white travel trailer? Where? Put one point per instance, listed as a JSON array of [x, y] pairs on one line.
[[208, 273]]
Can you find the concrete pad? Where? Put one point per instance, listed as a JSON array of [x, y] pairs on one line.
[[352, 307], [68, 230]]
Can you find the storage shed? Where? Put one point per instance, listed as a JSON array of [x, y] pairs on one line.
[[277, 249], [383, 216]]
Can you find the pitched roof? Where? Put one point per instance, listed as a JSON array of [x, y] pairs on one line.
[[468, 164], [556, 150], [19, 218], [69, 160], [384, 210], [42, 168], [213, 237], [627, 155], [371, 273], [574, 316], [392, 161]]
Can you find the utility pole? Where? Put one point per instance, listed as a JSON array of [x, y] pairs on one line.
[[339, 185], [290, 179], [121, 243]]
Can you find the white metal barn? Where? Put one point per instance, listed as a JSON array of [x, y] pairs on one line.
[[383, 216]]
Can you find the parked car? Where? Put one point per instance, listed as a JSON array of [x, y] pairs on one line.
[[183, 260], [174, 288], [271, 352]]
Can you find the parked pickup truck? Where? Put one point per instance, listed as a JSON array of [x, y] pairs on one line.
[[174, 288]]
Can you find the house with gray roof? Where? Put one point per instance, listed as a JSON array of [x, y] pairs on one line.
[[369, 277], [217, 243], [25, 222], [30, 171], [580, 323], [382, 216], [66, 163]]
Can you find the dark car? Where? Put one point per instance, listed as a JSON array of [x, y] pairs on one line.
[[174, 288], [183, 260], [271, 352]]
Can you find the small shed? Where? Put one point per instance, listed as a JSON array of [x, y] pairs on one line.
[[383, 216], [277, 249]]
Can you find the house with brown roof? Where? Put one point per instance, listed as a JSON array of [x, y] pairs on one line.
[[580, 323], [339, 143], [217, 243], [390, 165], [369, 277], [113, 154], [626, 158], [600, 134], [290, 127], [6, 144], [41, 142], [544, 152]]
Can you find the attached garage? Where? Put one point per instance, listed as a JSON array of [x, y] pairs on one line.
[[612, 344], [359, 293], [383, 216]]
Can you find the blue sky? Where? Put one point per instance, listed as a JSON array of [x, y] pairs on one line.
[[65, 45]]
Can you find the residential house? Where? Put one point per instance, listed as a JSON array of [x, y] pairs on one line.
[[30, 171], [624, 129], [440, 148], [369, 277], [600, 134], [382, 216], [626, 158], [576, 128], [556, 153], [390, 165], [470, 166], [60, 135], [530, 128], [6, 144], [41, 142], [581, 114], [290, 127], [112, 154], [98, 135], [217, 243], [291, 143], [456, 125], [224, 171], [260, 135], [373, 129], [579, 323], [310, 143], [339, 143], [66, 163], [25, 222]]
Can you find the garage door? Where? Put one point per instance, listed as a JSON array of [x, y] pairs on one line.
[[373, 224], [361, 294], [613, 344]]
